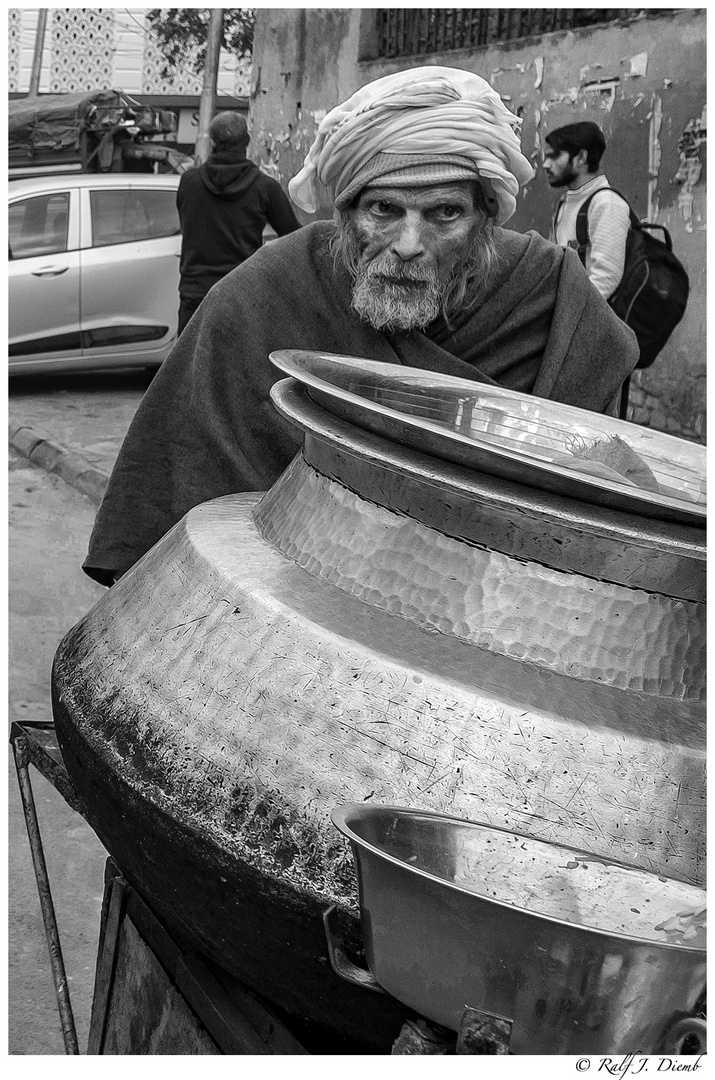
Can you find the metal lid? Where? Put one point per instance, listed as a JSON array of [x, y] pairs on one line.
[[544, 444]]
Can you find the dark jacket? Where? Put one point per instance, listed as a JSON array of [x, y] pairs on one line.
[[224, 206]]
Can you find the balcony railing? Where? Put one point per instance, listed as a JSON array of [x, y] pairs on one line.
[[419, 31]]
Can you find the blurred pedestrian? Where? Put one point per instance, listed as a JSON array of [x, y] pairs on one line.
[[224, 206], [572, 160]]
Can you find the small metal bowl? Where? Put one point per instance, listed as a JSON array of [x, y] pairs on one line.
[[582, 954]]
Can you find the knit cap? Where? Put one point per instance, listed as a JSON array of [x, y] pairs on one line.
[[416, 170]]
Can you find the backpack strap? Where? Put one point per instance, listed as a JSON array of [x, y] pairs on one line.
[[555, 219], [582, 236]]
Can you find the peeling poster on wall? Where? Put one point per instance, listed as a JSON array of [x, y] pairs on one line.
[[606, 91], [690, 145]]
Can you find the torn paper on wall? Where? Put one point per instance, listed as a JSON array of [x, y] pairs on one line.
[[690, 145], [606, 91], [585, 70], [654, 156], [638, 65]]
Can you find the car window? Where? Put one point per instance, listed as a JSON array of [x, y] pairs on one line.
[[120, 216], [38, 226]]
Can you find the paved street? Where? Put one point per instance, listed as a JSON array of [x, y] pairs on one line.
[[89, 413], [49, 528]]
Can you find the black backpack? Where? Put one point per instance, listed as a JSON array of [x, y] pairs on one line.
[[653, 292]]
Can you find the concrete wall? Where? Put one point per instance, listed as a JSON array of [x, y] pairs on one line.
[[642, 80]]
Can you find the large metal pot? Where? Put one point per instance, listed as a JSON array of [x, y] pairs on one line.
[[565, 946], [381, 625]]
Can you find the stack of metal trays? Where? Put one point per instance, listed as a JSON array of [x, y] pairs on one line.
[[545, 444]]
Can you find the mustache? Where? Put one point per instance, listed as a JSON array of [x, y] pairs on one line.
[[394, 271]]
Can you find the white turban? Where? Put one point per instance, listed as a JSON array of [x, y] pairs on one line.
[[433, 113]]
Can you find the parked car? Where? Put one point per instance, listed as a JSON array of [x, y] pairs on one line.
[[93, 271]]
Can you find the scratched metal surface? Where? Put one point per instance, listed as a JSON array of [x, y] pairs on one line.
[[233, 687]]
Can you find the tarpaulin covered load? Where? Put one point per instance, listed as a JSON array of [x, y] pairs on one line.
[[52, 123], [55, 128]]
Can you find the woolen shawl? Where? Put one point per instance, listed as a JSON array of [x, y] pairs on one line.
[[206, 426]]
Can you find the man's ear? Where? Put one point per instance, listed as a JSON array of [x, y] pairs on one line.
[[581, 158]]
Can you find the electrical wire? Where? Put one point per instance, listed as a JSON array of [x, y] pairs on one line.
[[142, 26]]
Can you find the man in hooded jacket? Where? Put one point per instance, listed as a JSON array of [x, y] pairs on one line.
[[224, 206]]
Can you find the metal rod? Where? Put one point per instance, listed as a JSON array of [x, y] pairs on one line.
[[37, 56], [208, 93], [43, 887]]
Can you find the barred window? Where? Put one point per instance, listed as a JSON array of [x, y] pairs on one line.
[[418, 31]]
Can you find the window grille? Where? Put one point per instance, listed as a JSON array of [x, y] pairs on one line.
[[417, 31]]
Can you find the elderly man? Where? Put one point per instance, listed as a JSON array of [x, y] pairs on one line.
[[423, 167]]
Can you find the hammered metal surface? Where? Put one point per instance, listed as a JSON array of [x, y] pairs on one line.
[[517, 520], [568, 623], [504, 522], [249, 697]]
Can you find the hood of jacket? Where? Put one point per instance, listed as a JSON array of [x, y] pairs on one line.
[[229, 173]]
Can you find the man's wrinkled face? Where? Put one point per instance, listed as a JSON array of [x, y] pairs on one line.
[[408, 245], [559, 167]]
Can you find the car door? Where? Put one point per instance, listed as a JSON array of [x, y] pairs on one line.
[[130, 273], [43, 279]]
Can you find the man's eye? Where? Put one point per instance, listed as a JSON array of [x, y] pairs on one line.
[[449, 213], [381, 207]]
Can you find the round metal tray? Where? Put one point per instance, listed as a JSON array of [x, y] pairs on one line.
[[508, 434]]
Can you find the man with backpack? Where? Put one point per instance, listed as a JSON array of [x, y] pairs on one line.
[[572, 160], [637, 273]]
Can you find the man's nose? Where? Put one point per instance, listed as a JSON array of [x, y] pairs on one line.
[[409, 242]]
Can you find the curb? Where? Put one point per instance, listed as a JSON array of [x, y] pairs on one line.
[[53, 458]]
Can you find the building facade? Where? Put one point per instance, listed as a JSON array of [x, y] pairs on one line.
[[104, 48], [640, 74]]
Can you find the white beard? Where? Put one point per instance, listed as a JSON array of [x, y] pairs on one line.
[[383, 299]]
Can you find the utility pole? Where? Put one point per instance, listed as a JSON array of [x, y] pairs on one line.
[[37, 55], [208, 93]]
